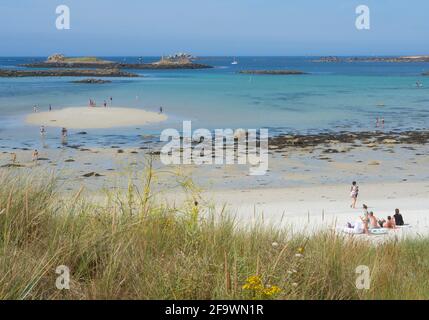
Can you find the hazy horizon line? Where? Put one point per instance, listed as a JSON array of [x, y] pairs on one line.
[[222, 56]]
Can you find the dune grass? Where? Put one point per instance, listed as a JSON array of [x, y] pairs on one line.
[[133, 247]]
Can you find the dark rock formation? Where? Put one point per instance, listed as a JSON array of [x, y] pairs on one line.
[[406, 59], [91, 174], [66, 73], [92, 81], [371, 139]]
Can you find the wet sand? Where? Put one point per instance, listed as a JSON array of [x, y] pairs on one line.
[[305, 187]]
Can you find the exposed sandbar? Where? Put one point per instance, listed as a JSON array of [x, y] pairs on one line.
[[95, 117]]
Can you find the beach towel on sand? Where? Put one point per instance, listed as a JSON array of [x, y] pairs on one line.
[[357, 229], [378, 231]]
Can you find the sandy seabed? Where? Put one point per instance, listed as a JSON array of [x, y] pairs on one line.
[[94, 117]]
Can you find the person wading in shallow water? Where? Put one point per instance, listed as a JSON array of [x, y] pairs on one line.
[[42, 131], [354, 192]]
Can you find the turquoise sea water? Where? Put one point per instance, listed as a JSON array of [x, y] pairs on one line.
[[333, 96]]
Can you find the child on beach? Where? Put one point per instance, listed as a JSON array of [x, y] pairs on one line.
[[389, 224], [354, 192]]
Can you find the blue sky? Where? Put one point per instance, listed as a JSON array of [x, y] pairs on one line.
[[214, 27]]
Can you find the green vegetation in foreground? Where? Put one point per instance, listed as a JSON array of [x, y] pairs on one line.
[[132, 248]]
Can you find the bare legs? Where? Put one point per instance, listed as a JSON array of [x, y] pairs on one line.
[[354, 200]]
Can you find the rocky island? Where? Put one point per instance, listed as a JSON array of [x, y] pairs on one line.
[[4, 73], [178, 61], [272, 72], [403, 59]]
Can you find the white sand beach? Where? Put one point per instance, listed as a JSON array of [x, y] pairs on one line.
[[94, 117], [309, 209]]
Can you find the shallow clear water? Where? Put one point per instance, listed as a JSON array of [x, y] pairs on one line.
[[334, 96]]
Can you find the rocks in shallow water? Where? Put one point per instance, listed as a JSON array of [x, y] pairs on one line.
[[12, 165], [389, 141], [92, 81], [69, 160], [368, 138], [91, 174], [374, 163], [82, 132], [120, 151], [5, 73], [330, 151]]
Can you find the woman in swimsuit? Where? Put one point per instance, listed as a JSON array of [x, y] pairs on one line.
[[354, 192]]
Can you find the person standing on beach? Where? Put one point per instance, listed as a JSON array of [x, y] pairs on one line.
[[160, 110], [13, 157], [354, 192], [35, 155], [50, 107], [377, 122], [34, 108], [111, 101], [382, 123], [105, 104]]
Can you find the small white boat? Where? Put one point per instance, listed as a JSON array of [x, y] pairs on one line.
[[235, 62]]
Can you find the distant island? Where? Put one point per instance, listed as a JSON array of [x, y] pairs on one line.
[[177, 61], [272, 72], [404, 59], [66, 73]]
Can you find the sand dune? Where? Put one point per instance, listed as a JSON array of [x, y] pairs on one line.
[[95, 117]]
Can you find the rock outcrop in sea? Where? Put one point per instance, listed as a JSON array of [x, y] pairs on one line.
[[173, 62], [4, 73]]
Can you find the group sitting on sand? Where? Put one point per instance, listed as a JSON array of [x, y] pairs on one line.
[[369, 223]]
